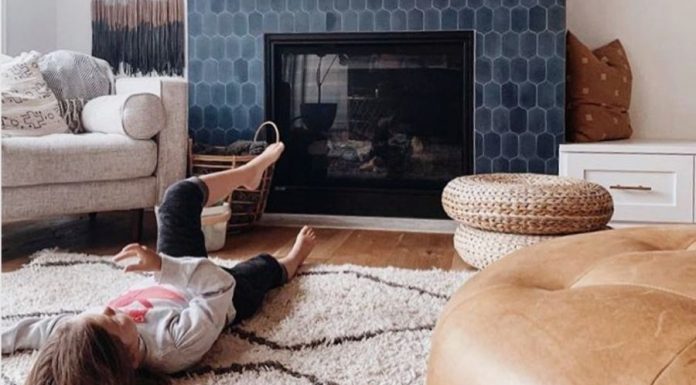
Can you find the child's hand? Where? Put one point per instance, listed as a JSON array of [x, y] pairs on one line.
[[148, 260]]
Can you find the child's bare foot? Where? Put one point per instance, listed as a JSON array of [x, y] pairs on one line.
[[305, 242], [257, 166]]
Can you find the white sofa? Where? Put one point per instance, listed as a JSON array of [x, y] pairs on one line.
[[63, 174]]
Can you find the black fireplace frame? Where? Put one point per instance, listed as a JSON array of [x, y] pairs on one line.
[[366, 201]]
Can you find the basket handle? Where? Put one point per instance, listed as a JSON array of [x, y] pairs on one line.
[[275, 128]]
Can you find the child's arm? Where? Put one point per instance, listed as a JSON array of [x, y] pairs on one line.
[[197, 274], [30, 333]]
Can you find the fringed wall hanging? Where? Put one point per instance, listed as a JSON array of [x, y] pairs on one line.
[[139, 36]]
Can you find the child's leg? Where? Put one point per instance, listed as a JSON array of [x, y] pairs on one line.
[[221, 184], [179, 217], [256, 276], [179, 232]]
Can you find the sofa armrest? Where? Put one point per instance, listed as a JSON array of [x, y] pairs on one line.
[[172, 141]]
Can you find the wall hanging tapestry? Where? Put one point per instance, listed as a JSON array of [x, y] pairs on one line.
[[139, 36]]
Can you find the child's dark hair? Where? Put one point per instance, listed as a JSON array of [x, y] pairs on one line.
[[84, 353]]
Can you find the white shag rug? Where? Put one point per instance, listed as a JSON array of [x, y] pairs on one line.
[[339, 324]]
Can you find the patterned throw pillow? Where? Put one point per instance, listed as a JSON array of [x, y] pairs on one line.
[[72, 75], [71, 110], [599, 92], [29, 107]]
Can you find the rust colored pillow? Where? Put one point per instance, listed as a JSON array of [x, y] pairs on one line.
[[599, 92]]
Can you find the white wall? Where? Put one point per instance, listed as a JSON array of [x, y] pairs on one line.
[[3, 22], [29, 24], [660, 39], [46, 25], [74, 25]]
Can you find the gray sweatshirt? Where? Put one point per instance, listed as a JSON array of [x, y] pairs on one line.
[[179, 313]]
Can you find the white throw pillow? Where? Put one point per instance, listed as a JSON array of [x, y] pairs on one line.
[[29, 107], [139, 116]]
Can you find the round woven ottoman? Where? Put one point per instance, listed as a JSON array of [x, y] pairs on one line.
[[605, 308], [529, 204], [480, 248]]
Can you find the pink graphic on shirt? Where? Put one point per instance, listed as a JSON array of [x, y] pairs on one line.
[[128, 302]]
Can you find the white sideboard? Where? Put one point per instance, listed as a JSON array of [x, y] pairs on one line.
[[651, 181]]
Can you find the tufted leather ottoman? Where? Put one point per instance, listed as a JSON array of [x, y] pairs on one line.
[[612, 307]]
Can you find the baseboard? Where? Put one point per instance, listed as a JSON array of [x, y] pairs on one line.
[[415, 225], [623, 225]]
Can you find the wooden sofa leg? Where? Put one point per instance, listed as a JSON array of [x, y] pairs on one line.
[[137, 225]]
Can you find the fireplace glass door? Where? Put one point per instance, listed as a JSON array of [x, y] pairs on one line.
[[380, 114]]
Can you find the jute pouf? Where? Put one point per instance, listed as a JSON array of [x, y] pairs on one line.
[[480, 248], [529, 204]]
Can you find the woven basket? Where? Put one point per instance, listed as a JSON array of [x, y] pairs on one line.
[[247, 205], [527, 204], [480, 248]]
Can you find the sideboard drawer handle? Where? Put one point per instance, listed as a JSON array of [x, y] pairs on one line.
[[637, 188]]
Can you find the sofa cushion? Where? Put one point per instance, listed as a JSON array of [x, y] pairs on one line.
[[65, 158]]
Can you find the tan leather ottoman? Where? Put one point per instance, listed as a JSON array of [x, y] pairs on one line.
[[615, 307]]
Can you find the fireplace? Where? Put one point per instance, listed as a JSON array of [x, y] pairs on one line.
[[374, 123]]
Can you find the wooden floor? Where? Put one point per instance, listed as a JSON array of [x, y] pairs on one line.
[[111, 231]]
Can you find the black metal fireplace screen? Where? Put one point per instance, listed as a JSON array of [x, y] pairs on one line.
[[374, 123]]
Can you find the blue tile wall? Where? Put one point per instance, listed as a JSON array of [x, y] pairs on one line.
[[520, 65]]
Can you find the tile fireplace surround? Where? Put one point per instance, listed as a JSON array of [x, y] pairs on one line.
[[519, 69]]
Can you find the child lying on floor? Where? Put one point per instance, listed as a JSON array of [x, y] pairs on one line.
[[165, 324]]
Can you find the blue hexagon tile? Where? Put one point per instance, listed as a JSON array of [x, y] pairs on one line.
[[519, 67]]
